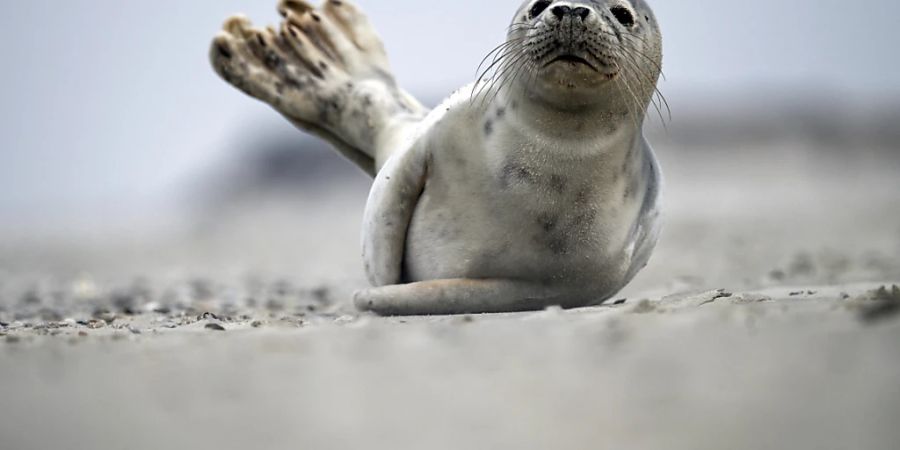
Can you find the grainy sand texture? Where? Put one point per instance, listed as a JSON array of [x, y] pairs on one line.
[[768, 318]]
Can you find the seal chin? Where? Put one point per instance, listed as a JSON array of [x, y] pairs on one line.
[[575, 70], [573, 61]]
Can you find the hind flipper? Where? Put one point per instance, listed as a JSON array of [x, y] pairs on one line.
[[463, 296]]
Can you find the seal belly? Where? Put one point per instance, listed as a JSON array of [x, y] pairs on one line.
[[507, 236]]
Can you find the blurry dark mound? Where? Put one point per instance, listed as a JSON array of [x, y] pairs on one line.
[[834, 122], [274, 161]]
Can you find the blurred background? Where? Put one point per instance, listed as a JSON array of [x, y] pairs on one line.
[[122, 154], [189, 256]]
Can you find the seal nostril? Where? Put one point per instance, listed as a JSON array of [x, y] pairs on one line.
[[623, 15], [561, 11], [582, 12]]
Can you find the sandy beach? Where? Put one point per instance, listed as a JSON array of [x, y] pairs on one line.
[[767, 319]]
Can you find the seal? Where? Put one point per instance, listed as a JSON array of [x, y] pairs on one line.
[[532, 187]]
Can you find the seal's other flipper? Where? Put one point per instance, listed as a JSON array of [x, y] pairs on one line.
[[463, 296], [326, 70], [392, 202]]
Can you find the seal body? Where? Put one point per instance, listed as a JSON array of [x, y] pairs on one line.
[[534, 187], [515, 201]]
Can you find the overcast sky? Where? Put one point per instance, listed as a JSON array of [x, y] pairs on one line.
[[111, 103]]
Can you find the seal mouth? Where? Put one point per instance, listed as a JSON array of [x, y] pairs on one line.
[[609, 71], [572, 59]]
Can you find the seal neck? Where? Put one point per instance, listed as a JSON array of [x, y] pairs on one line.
[[559, 120]]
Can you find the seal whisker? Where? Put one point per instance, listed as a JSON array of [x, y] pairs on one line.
[[635, 101], [511, 47], [510, 74], [526, 67], [496, 52], [657, 92], [500, 54], [630, 42], [499, 75], [631, 49], [502, 75], [648, 81]]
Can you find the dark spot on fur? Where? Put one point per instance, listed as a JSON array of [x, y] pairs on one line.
[[488, 127], [513, 173], [323, 66], [223, 51], [558, 245], [316, 72], [293, 84], [501, 112], [273, 61], [581, 198], [633, 186], [583, 221], [558, 183], [547, 222]]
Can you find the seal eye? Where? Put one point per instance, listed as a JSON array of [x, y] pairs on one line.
[[539, 7], [623, 15]]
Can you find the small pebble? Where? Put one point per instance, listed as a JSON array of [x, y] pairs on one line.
[[105, 316], [882, 304], [620, 301], [207, 316], [257, 324], [553, 310], [643, 307], [215, 327], [344, 320], [96, 324], [750, 298]]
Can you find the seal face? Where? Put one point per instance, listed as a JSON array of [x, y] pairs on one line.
[[532, 187]]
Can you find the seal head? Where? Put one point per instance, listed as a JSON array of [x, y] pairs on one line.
[[577, 53]]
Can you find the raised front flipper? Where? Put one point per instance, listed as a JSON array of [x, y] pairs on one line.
[[326, 70]]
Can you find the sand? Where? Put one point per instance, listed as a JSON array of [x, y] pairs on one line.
[[768, 318]]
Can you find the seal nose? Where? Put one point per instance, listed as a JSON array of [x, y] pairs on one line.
[[562, 11]]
